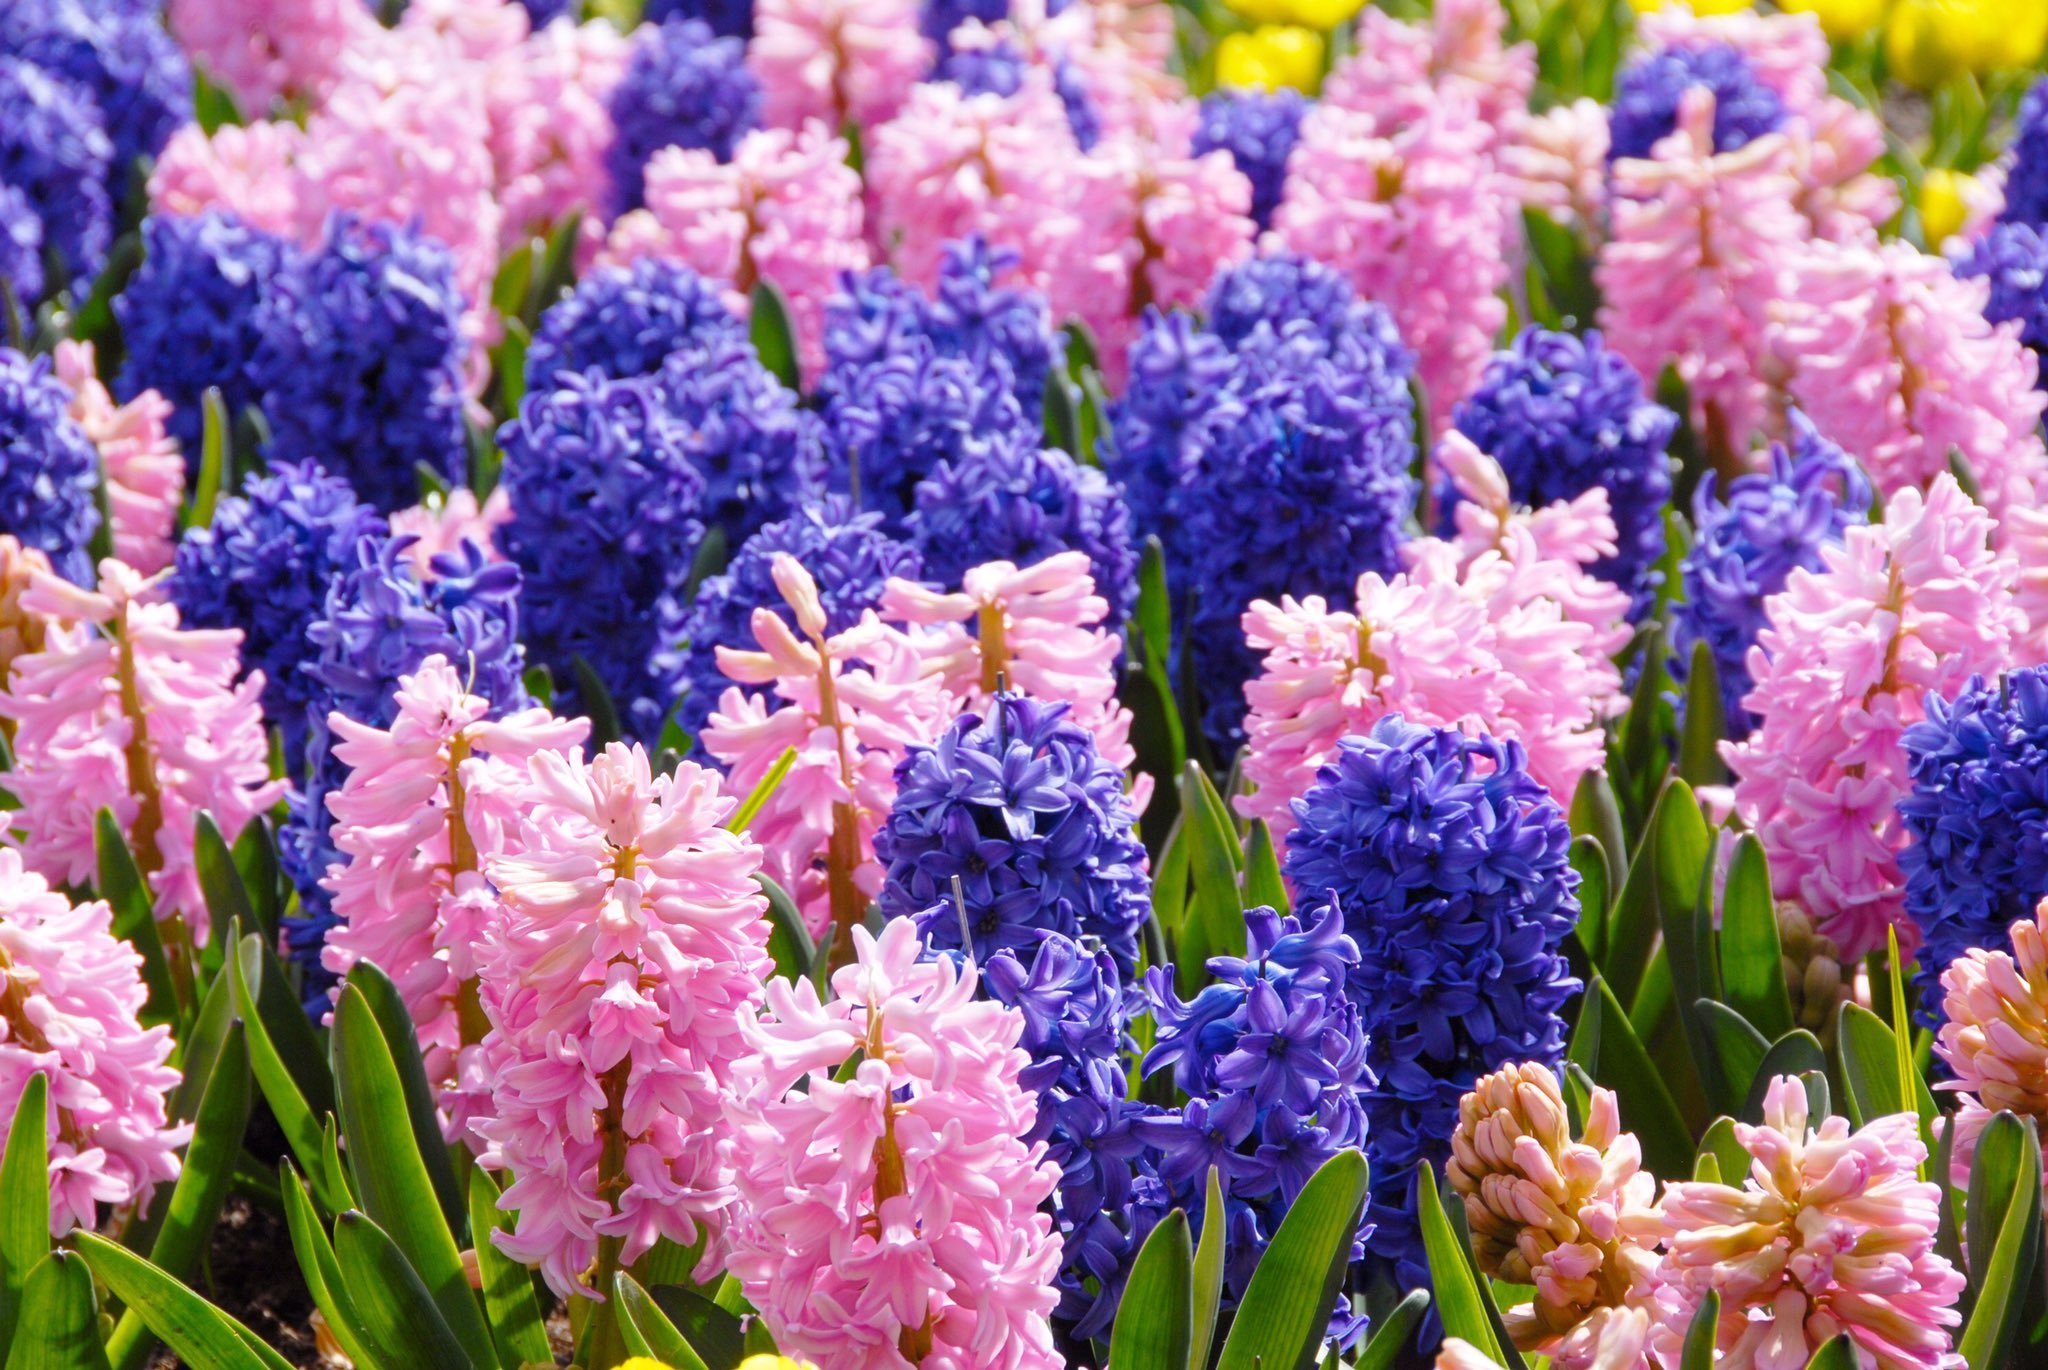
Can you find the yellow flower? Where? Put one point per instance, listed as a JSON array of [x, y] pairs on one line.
[[1929, 41], [1697, 6], [1315, 14], [775, 1363], [1945, 197], [642, 1363], [1841, 18], [1269, 57]]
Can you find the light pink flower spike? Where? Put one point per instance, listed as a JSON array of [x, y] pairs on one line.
[[145, 474], [836, 61], [1995, 1037]]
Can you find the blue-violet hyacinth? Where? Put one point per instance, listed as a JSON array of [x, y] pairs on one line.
[[684, 87], [847, 553], [49, 469], [21, 251], [1272, 1056], [1257, 128], [361, 359], [625, 321], [1015, 500], [54, 149], [1023, 809], [1747, 543], [1649, 89], [190, 314], [264, 566], [941, 17], [1562, 414], [2026, 182], [999, 69], [727, 18], [605, 506], [1975, 860], [2013, 259], [1446, 861], [541, 13], [745, 433], [1176, 366], [123, 57], [380, 621]]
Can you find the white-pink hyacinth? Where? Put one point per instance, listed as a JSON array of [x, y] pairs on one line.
[[425, 804], [1037, 630], [1556, 163], [70, 994], [1994, 1036], [125, 710], [839, 62], [1912, 606], [620, 985], [851, 705], [143, 469], [893, 1219], [245, 170]]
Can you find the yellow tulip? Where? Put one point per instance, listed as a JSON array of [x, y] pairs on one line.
[[642, 1363], [1314, 14], [1696, 6], [775, 1363], [1843, 19], [1945, 197], [1269, 57], [1930, 41]]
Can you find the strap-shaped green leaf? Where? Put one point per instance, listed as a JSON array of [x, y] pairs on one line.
[[515, 1318], [1155, 1321], [2002, 1226], [59, 1318], [284, 1088], [1394, 1333], [321, 1269], [392, 1016], [203, 1337], [1752, 959], [1463, 1299], [120, 884], [24, 1199], [1285, 1311], [647, 1330], [773, 335], [1208, 1272], [1701, 1335], [1606, 1046], [400, 1318]]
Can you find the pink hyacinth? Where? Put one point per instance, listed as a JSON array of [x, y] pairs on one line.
[[443, 523], [1483, 638], [1788, 52], [144, 471], [1890, 355], [551, 125], [620, 985], [851, 705], [260, 50], [1900, 610], [1994, 1036], [1610, 1339], [1398, 72], [786, 209], [1556, 162], [70, 993], [1037, 630], [1119, 52], [1701, 243], [426, 803], [1831, 1232], [836, 61], [245, 171], [1416, 217], [124, 710], [892, 1219]]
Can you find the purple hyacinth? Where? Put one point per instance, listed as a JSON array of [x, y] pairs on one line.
[[998, 69], [684, 87], [21, 250], [1257, 128], [2013, 259], [54, 149], [1446, 860], [49, 469], [727, 18], [941, 17], [624, 321], [122, 56], [1648, 91], [744, 432], [2026, 184], [1562, 414]]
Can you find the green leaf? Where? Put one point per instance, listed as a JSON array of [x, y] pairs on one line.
[[392, 1016], [1912, 1084], [1394, 1333], [1208, 1272], [1463, 1300], [1589, 859], [597, 703], [255, 855], [1155, 1320], [1608, 1049], [1752, 960], [392, 1176], [59, 1318], [1739, 1049], [773, 334], [647, 1330], [227, 902], [1699, 756], [203, 1337], [321, 1269], [24, 1199], [1597, 814], [514, 1312], [764, 790], [712, 1330], [400, 1319], [1285, 1311], [1263, 887], [789, 938], [1170, 881], [1869, 1065], [1799, 1053], [286, 1082], [1729, 1155], [1838, 1354], [2002, 1223], [1215, 923], [213, 460], [1698, 1352], [120, 884], [557, 267], [1062, 417], [1680, 849]]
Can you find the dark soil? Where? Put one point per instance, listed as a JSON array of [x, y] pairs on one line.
[[251, 1274]]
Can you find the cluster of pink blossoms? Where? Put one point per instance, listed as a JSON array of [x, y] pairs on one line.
[[1909, 607], [1502, 631], [70, 995], [893, 1219], [1994, 1037], [139, 460]]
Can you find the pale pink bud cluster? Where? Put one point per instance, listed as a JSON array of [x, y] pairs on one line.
[[124, 710], [892, 1218], [70, 993], [1504, 632], [620, 983], [426, 803], [1399, 72], [1995, 1035], [838, 62], [143, 469], [259, 50], [786, 209], [1909, 607]]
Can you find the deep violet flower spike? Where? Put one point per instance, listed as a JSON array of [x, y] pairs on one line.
[[2013, 257], [684, 87], [49, 469], [1258, 129], [1446, 861], [54, 150], [625, 321], [122, 56], [1648, 92], [1021, 806], [2026, 184]]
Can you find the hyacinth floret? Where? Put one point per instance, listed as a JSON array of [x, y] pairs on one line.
[[1650, 89], [1258, 129], [1746, 544], [1561, 414], [138, 78], [684, 87], [362, 359], [2013, 258], [1446, 861], [743, 432], [2026, 183], [54, 149], [1994, 1034], [21, 249], [141, 469], [70, 993], [624, 321], [1019, 805], [49, 469]]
